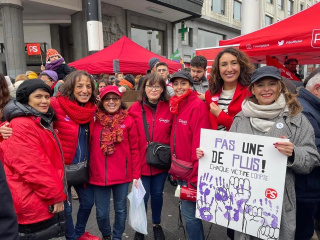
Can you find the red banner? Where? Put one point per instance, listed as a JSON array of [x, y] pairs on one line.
[[283, 70], [33, 49]]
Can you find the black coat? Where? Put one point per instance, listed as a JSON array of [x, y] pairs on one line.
[[63, 71], [8, 218]]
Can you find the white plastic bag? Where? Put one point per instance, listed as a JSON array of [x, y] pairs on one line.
[[137, 211]]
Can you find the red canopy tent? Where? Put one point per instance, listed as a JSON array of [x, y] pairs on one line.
[[132, 59], [297, 36]]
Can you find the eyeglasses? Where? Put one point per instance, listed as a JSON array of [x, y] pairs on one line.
[[161, 70], [155, 87], [114, 99]]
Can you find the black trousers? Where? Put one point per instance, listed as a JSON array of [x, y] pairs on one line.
[[306, 212]]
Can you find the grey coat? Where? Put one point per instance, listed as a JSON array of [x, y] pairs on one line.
[[300, 132]]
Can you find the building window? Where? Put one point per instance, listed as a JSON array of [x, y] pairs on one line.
[[237, 10], [218, 6], [269, 20], [149, 39], [301, 7], [280, 4], [290, 7], [270, 1], [208, 39]]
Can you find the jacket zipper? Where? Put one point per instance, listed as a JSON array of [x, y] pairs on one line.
[[126, 167], [105, 163]]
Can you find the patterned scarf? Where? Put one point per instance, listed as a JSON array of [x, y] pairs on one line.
[[111, 132], [78, 114], [175, 101]]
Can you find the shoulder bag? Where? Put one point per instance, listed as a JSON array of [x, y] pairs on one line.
[[78, 173]]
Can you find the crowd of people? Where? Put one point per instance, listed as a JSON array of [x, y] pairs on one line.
[[65, 122]]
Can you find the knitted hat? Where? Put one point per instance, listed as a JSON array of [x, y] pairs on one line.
[[51, 74], [153, 61], [28, 87], [109, 89], [31, 75], [52, 52]]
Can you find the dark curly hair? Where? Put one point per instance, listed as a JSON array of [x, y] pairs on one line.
[[70, 81], [246, 68]]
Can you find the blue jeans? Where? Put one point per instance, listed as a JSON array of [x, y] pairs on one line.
[[305, 216], [193, 225], [102, 197], [154, 186], [86, 201]]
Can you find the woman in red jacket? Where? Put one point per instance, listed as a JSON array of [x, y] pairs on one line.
[[190, 115], [33, 162], [75, 109], [115, 160], [154, 100], [228, 87]]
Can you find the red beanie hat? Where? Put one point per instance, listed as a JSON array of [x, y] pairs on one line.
[[52, 52]]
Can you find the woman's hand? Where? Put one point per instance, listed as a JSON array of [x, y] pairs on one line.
[[5, 131], [58, 207], [285, 148], [135, 183], [214, 109], [199, 153], [42, 68]]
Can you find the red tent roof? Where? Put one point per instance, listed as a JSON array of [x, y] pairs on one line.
[[132, 59], [297, 36]]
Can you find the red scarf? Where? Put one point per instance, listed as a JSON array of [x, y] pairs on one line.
[[112, 132], [78, 114], [175, 101]]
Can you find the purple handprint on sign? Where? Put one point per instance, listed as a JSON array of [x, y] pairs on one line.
[[206, 200]]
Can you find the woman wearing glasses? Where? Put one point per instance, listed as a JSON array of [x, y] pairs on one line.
[[114, 156], [154, 101]]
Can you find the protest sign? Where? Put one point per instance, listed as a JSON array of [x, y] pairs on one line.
[[241, 182]]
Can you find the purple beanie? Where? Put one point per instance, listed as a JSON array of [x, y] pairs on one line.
[[52, 74]]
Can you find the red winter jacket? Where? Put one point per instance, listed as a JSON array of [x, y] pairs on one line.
[[34, 169], [192, 116], [233, 109], [160, 123], [68, 131], [120, 167]]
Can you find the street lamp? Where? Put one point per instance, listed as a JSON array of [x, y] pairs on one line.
[[149, 32]]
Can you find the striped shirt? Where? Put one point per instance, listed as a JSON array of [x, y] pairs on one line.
[[223, 103]]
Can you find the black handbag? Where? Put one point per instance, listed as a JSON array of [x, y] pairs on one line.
[[78, 173], [158, 154]]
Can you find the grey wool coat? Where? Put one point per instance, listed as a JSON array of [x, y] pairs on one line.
[[300, 132]]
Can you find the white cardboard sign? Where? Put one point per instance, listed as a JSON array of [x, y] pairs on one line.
[[241, 182]]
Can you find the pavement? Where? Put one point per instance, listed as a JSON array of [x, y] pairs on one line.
[[169, 223]]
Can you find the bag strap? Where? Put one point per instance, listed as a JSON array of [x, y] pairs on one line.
[[174, 138], [145, 124]]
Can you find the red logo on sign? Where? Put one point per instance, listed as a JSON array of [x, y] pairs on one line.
[[271, 193], [33, 49], [315, 41]]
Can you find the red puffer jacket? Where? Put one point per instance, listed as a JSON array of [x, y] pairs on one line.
[[192, 116], [68, 131], [34, 169], [120, 167], [233, 109], [160, 123]]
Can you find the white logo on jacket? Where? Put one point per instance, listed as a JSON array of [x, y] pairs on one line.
[[123, 126], [184, 122], [164, 120]]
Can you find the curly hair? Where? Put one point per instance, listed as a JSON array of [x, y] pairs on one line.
[[291, 99], [153, 78], [4, 93], [246, 68], [69, 84]]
